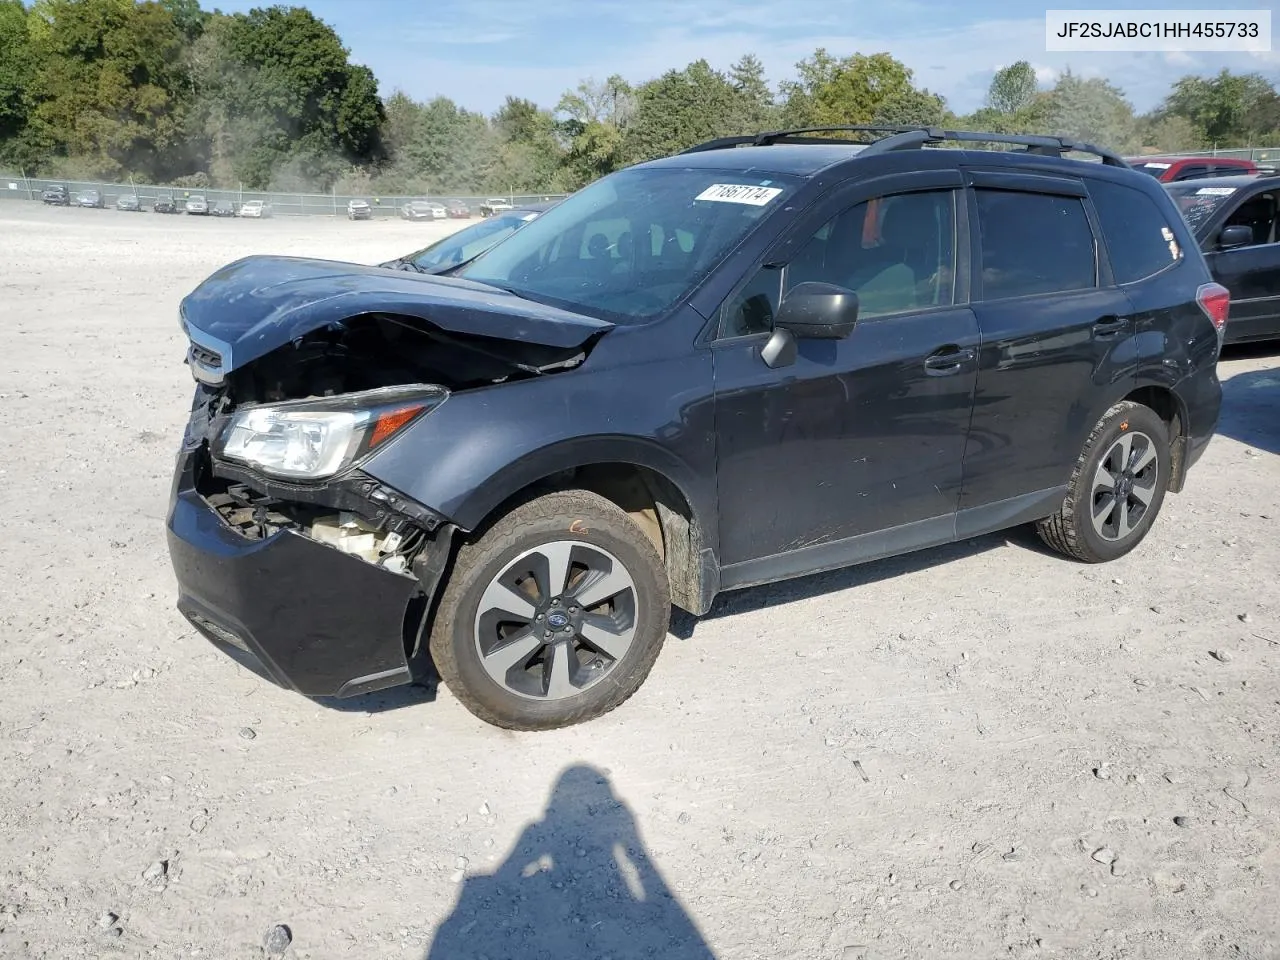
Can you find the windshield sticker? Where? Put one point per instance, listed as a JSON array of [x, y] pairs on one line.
[[1215, 191], [1158, 166], [739, 193]]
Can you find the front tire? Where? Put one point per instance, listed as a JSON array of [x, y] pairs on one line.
[[1116, 489], [554, 616]]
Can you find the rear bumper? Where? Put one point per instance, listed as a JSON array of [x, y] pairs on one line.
[[297, 612]]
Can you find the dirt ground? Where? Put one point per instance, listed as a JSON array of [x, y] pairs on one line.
[[977, 751]]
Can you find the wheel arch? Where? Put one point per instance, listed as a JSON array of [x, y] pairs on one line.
[[1161, 399], [653, 486]]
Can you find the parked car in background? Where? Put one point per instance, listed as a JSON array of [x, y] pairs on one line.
[[224, 209], [1172, 169], [494, 205], [197, 205], [255, 209], [90, 198], [164, 205], [129, 202], [457, 210], [469, 242], [419, 210], [1236, 223], [56, 195], [758, 360], [359, 210]]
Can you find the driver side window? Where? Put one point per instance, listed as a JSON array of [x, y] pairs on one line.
[[897, 253], [1259, 215]]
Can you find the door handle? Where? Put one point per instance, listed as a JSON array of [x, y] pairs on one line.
[[1110, 326], [948, 360]]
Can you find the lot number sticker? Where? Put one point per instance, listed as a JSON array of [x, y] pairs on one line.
[[739, 193], [1215, 191]]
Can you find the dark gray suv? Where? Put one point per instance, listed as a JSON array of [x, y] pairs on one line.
[[765, 357]]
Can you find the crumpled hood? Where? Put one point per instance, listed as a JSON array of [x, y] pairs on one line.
[[252, 306]]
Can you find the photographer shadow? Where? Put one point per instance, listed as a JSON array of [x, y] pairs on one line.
[[578, 885]]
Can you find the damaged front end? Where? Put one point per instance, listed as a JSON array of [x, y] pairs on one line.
[[321, 585], [288, 557]]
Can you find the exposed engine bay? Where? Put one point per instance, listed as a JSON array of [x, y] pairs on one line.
[[377, 350], [369, 352], [388, 541]]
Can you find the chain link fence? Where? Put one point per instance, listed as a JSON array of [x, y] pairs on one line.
[[1263, 156], [15, 186]]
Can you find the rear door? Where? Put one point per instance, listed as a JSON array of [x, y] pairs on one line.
[[1056, 332]]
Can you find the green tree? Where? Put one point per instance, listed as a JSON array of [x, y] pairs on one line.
[[1092, 110], [1262, 119], [1013, 89], [279, 102], [679, 109], [187, 16], [756, 109], [17, 69], [1169, 134], [1218, 106], [108, 82], [594, 116], [530, 156], [860, 89]]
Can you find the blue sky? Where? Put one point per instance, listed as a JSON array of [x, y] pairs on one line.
[[478, 51]]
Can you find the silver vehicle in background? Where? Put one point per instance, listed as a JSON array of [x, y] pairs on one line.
[[494, 206], [421, 210], [197, 205], [359, 210], [255, 209]]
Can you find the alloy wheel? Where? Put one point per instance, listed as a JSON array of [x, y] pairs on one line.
[[556, 620], [1124, 485]]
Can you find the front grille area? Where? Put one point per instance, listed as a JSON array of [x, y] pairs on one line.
[[205, 357], [247, 512]]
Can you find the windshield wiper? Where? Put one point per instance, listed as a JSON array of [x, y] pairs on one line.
[[400, 263]]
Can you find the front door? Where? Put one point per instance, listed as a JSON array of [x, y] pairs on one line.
[[1252, 273], [854, 449]]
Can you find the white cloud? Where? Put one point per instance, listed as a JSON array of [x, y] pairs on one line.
[[957, 63]]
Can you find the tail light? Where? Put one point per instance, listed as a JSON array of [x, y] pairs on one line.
[[1215, 301]]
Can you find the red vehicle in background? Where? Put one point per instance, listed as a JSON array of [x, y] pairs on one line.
[[1170, 169]]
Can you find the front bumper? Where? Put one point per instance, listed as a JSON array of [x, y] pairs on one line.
[[297, 612]]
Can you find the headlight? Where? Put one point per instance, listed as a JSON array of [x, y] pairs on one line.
[[314, 439]]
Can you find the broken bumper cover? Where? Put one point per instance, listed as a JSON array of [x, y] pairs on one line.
[[299, 613]]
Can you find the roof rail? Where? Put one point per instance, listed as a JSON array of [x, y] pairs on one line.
[[771, 137], [915, 137]]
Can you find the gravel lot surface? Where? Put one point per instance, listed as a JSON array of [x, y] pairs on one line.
[[978, 751]]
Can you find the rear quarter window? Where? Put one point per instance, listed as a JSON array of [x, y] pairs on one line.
[[1139, 236]]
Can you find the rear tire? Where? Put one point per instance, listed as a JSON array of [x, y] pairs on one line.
[[1116, 489], [554, 616]]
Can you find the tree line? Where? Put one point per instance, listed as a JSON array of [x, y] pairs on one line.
[[168, 92]]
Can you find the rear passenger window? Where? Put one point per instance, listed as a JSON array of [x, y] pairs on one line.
[[1034, 243], [1137, 232]]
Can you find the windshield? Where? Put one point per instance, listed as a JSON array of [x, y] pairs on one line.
[[631, 246], [1199, 203], [469, 242]]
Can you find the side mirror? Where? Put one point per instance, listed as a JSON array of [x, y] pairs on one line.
[[818, 311], [1234, 237]]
